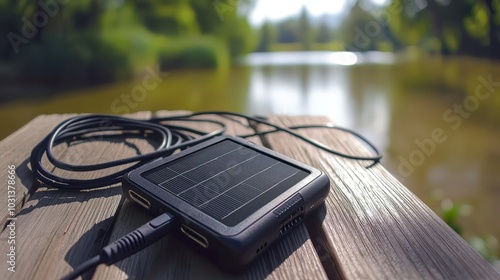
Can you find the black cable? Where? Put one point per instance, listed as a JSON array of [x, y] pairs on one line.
[[84, 267], [170, 134], [129, 244]]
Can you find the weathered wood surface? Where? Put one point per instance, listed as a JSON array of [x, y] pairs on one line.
[[56, 230], [15, 149], [373, 227]]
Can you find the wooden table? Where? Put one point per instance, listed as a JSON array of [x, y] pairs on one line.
[[371, 226]]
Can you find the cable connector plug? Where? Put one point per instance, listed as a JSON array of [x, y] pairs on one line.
[[130, 244], [138, 239]]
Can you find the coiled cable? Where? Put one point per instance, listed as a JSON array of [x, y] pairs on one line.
[[169, 135]]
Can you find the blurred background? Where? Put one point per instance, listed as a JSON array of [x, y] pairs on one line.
[[393, 70]]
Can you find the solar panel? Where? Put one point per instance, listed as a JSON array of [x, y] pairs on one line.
[[227, 181]]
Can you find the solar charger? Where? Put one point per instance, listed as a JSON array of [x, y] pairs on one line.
[[233, 198]]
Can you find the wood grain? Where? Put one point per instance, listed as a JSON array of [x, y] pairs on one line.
[[58, 230], [373, 227], [292, 257], [16, 150]]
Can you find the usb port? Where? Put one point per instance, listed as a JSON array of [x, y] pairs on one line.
[[139, 199], [195, 236]]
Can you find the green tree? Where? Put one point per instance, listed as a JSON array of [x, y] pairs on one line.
[[287, 31], [222, 19], [324, 34], [462, 27], [361, 31], [174, 18], [101, 41], [267, 37], [306, 34]]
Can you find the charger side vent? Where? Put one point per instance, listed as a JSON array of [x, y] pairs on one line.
[[292, 220]]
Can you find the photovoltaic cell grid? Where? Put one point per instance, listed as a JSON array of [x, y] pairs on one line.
[[227, 180]]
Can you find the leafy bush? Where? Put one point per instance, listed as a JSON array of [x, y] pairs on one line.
[[93, 57], [75, 60], [201, 52]]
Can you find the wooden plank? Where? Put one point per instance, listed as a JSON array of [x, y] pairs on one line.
[[373, 227], [292, 257], [15, 150], [57, 230]]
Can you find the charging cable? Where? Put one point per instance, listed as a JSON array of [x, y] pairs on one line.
[[166, 130], [129, 244]]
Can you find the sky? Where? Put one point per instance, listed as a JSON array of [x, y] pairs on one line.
[[279, 9], [275, 10]]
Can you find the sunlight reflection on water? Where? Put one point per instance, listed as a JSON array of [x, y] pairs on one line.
[[318, 58]]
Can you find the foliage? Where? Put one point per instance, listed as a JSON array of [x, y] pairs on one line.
[[175, 18], [451, 212], [238, 36], [434, 26], [74, 60], [288, 31], [113, 49], [196, 52], [96, 41], [267, 37], [324, 33], [462, 27], [305, 31], [485, 245]]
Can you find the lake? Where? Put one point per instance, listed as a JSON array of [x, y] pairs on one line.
[[442, 143]]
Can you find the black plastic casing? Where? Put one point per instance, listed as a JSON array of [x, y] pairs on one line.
[[234, 247]]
